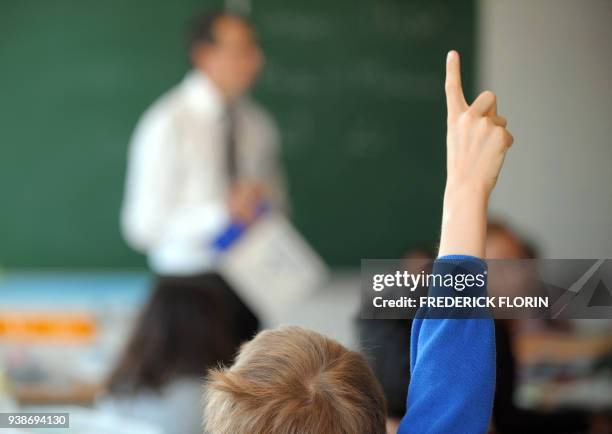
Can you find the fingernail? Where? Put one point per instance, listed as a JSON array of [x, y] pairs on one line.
[[450, 56]]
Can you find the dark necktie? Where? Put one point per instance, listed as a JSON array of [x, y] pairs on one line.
[[231, 150]]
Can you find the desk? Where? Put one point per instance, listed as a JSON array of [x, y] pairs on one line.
[[558, 370]]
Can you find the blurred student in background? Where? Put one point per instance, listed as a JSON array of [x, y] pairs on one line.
[[182, 332], [203, 156], [508, 417], [387, 343]]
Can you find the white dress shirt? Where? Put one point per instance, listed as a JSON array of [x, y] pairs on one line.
[[175, 201]]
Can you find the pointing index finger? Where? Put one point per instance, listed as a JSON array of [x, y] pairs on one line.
[[455, 101]]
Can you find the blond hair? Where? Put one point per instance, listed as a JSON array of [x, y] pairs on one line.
[[294, 381]]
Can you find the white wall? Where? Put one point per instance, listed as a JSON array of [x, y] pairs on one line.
[[550, 63]]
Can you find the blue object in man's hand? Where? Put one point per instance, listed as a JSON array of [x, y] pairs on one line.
[[235, 230]]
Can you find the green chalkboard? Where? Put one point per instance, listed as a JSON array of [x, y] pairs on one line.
[[355, 85]]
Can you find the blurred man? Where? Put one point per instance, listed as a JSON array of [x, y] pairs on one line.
[[202, 157]]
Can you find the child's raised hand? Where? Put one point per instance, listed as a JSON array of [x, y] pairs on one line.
[[477, 138], [477, 141]]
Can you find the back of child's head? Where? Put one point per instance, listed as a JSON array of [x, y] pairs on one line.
[[294, 381]]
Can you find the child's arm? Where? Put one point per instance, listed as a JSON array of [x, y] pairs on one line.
[[453, 372], [453, 361]]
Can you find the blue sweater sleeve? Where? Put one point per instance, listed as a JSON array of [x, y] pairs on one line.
[[452, 369]]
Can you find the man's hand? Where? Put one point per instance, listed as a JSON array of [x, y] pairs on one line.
[[244, 199], [477, 141]]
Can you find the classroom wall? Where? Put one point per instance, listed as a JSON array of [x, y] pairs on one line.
[[550, 63]]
